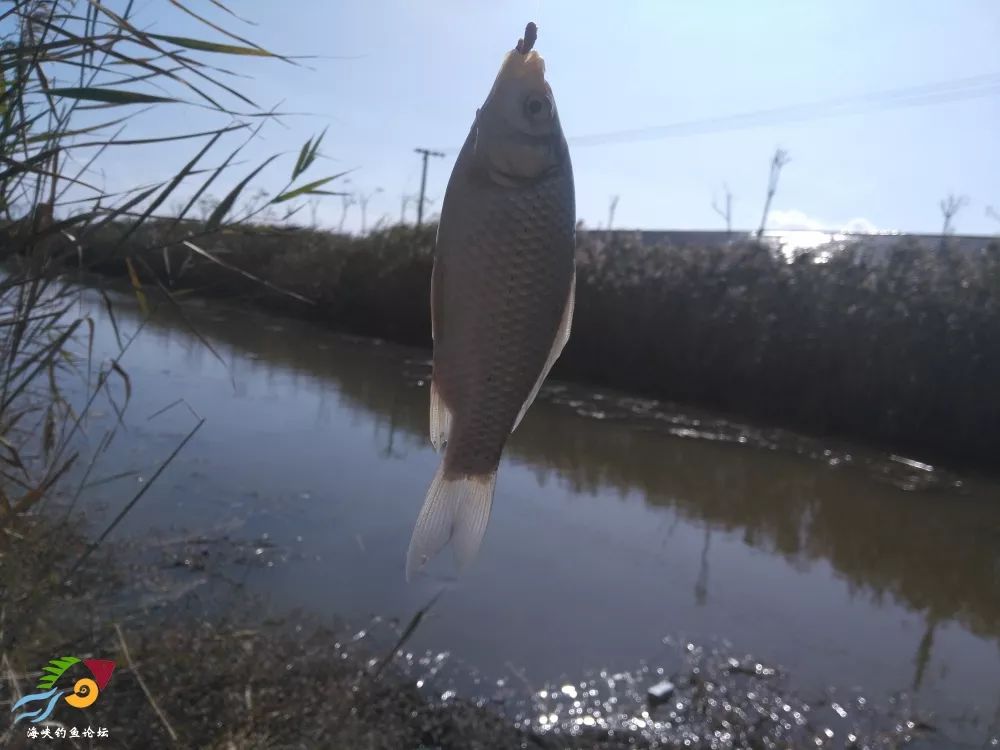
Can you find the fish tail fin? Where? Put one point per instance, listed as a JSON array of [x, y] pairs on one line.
[[457, 510]]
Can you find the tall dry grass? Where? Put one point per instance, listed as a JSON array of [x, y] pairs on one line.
[[74, 75], [901, 347], [904, 349]]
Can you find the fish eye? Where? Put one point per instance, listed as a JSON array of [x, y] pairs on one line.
[[537, 107]]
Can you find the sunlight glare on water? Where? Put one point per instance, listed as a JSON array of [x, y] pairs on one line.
[[618, 522]]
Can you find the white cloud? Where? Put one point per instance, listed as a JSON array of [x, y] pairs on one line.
[[794, 220], [859, 225]]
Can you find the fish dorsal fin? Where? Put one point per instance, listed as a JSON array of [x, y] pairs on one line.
[[562, 336]]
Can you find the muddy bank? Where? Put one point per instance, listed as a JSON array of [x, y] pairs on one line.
[[192, 673], [898, 347], [198, 678]]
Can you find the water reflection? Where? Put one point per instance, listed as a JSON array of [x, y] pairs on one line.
[[923, 656], [937, 550], [701, 585], [735, 500]]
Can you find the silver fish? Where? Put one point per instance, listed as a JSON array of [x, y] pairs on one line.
[[502, 293]]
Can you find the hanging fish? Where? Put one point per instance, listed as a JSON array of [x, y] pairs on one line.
[[502, 294]]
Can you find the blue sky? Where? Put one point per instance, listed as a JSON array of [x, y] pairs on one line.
[[409, 74]]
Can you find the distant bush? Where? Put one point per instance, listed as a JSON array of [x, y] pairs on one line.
[[903, 349]]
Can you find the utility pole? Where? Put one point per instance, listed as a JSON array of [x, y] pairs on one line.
[[423, 181]]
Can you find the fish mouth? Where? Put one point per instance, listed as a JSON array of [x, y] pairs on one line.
[[518, 66], [531, 62], [522, 65]]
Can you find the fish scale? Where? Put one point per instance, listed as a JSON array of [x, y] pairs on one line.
[[517, 353]]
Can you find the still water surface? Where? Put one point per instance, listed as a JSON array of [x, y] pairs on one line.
[[617, 522]]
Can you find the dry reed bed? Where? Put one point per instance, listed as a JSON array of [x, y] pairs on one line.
[[901, 349]]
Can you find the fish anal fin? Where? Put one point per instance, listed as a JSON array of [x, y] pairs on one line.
[[440, 418], [562, 336]]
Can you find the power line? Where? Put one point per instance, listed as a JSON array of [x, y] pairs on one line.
[[840, 106], [927, 94]]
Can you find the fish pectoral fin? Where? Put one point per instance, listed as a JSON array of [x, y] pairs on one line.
[[435, 301], [456, 510], [562, 336], [440, 419]]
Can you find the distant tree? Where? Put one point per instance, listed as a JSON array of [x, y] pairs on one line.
[[778, 162], [950, 206], [612, 206], [346, 201], [727, 212], [363, 201], [405, 200], [207, 205]]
